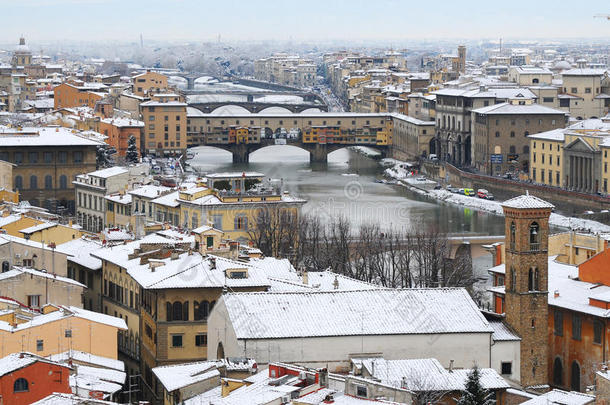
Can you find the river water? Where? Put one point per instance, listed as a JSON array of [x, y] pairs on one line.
[[346, 186]]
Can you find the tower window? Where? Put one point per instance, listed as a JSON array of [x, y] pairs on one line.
[[513, 229], [532, 280], [534, 237]]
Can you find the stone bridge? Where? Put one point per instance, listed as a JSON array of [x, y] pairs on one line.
[[256, 107], [318, 153]]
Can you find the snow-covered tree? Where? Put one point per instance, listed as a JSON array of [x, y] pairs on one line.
[[102, 157], [132, 150], [475, 394]]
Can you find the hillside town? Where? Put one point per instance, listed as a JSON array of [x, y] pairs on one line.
[[304, 224]]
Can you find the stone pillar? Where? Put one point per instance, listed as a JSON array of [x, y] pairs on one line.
[[319, 154], [240, 153]]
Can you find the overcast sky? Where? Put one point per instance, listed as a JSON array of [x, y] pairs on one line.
[[41, 20]]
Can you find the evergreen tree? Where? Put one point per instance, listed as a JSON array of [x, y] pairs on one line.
[[132, 150], [102, 157], [474, 393]]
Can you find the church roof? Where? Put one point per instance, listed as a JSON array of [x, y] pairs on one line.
[[527, 202]]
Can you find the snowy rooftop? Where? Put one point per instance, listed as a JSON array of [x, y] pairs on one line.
[[149, 191], [16, 361], [527, 202], [88, 358], [43, 136], [17, 271], [426, 375], [556, 396], [502, 332], [182, 375], [119, 198], [341, 313], [57, 398], [109, 172], [64, 313], [584, 72], [507, 108], [37, 228], [80, 252]]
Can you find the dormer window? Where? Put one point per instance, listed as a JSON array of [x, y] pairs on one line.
[[237, 273]]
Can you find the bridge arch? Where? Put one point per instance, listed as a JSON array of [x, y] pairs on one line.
[[230, 110], [275, 110]]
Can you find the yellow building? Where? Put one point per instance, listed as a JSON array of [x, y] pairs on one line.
[[229, 203], [59, 329], [575, 158], [150, 82], [164, 127]]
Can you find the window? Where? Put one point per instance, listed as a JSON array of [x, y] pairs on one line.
[[574, 90], [62, 157], [576, 327], [534, 237], [558, 323], [241, 222], [18, 156], [20, 385], [34, 301], [497, 134], [557, 372], [39, 345], [48, 157], [78, 157], [513, 229], [512, 134], [598, 329], [48, 182], [201, 340], [63, 182], [176, 340], [68, 333], [33, 182], [18, 183], [587, 90], [33, 157], [507, 368], [532, 279], [575, 377]]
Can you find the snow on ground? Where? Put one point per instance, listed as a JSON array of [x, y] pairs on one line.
[[495, 207], [366, 151]]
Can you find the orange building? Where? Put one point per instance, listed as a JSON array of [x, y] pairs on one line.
[[67, 95], [578, 319], [149, 82], [118, 131], [26, 378]]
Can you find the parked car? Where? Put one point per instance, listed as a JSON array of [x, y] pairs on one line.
[[461, 191], [433, 157], [482, 193], [452, 189], [469, 192], [490, 196]]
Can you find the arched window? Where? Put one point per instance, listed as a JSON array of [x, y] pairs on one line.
[[532, 279], [513, 279], [177, 311], [202, 310], [48, 182], [453, 123], [534, 237], [513, 234], [575, 377], [557, 372], [512, 149], [18, 183], [21, 385], [444, 124], [535, 81], [33, 182], [5, 266], [63, 182], [220, 351]]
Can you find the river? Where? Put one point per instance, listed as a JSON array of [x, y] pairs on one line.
[[346, 186]]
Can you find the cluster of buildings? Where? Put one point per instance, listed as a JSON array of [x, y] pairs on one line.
[[288, 70]]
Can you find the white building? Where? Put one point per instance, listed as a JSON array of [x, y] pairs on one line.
[[329, 328]]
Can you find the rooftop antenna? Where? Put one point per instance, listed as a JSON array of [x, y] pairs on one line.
[[141, 41]]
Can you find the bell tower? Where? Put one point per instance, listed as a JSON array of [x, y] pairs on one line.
[[526, 263]]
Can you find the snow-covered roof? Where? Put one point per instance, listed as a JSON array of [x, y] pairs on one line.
[[178, 376], [321, 281], [163, 104], [583, 72], [552, 135], [80, 252], [88, 358], [57, 398], [502, 332], [37, 228], [43, 136], [119, 198], [341, 313], [149, 191], [168, 200], [109, 172], [9, 219], [556, 396], [527, 201], [426, 375], [508, 108], [17, 271], [16, 361]]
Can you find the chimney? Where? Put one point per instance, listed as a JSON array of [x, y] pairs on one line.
[[305, 277], [336, 283], [556, 294], [451, 366], [175, 255]]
